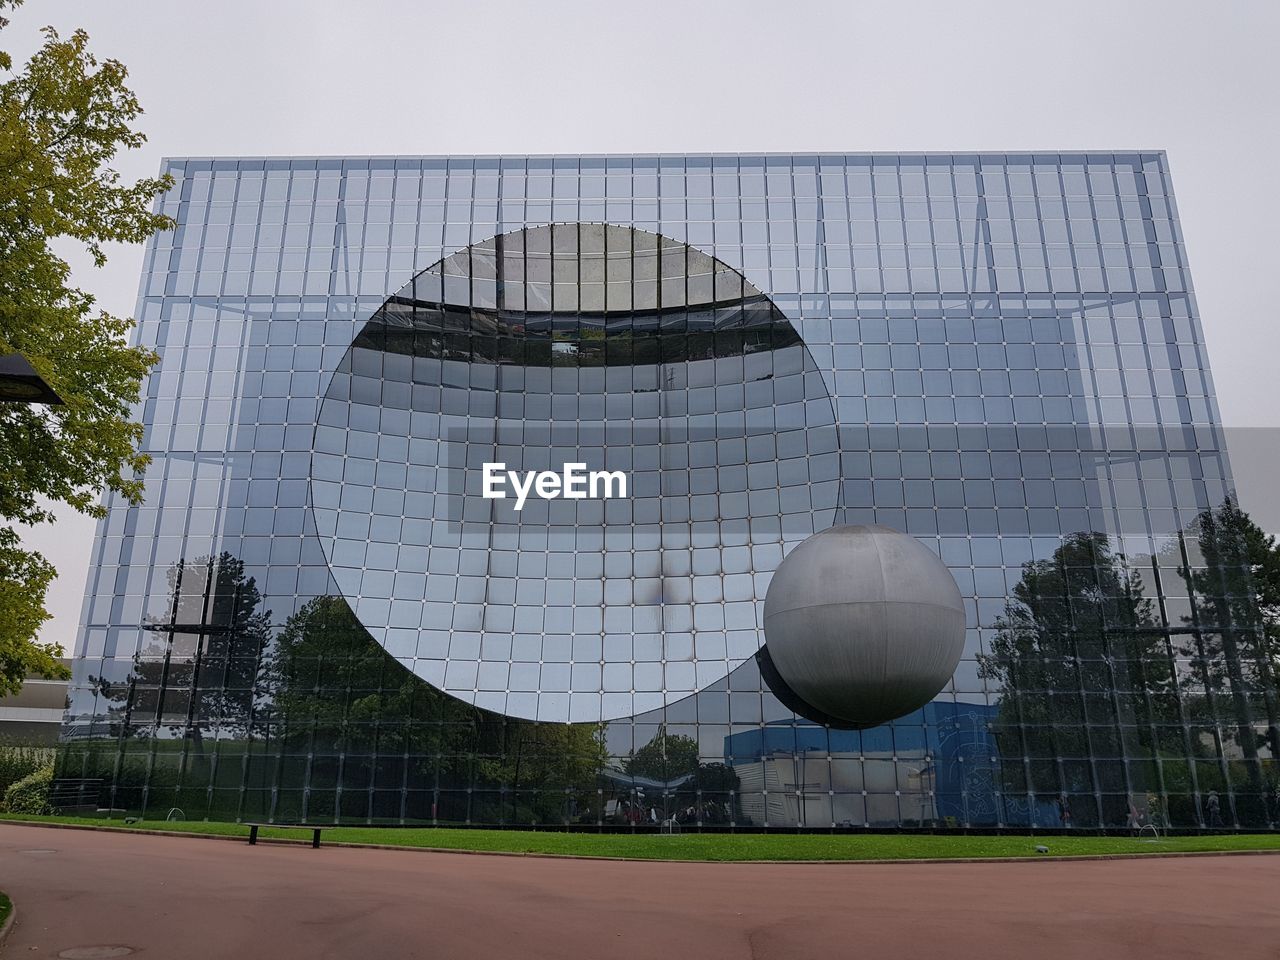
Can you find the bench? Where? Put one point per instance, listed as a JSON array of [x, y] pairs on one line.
[[315, 831]]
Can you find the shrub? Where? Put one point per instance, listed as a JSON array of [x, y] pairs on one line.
[[31, 793], [21, 760]]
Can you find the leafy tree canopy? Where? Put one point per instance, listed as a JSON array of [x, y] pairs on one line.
[[64, 116], [24, 577], [212, 625], [332, 684], [1233, 578], [668, 756]]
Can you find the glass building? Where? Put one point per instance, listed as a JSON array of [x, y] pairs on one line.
[[318, 614]]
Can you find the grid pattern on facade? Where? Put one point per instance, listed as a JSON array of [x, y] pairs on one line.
[[1016, 371]]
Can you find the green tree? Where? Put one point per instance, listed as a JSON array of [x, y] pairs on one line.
[[24, 578], [1082, 664], [64, 116], [335, 691], [550, 771], [199, 671], [1231, 568], [668, 756], [333, 686]]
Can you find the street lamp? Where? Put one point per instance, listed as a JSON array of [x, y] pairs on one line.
[[20, 383]]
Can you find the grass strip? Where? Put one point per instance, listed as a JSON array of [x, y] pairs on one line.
[[718, 846]]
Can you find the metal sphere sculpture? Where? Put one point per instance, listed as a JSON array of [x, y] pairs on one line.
[[863, 625]]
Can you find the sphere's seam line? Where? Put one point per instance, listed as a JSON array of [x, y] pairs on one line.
[[846, 603]]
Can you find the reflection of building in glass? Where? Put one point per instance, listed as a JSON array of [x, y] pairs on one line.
[[317, 614], [937, 774], [34, 713]]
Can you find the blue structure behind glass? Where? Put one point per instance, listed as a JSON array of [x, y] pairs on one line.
[[1013, 373]]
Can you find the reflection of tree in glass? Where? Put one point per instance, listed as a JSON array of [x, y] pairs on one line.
[[1077, 653], [1086, 668], [1231, 569], [549, 771], [699, 791], [339, 692], [199, 670], [666, 757], [337, 689]]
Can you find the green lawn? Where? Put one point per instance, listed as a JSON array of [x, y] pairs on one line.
[[5, 909], [705, 846]]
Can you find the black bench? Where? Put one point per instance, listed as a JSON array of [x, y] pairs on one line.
[[315, 831]]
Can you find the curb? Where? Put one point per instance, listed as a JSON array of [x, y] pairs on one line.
[[8, 922], [1062, 858]]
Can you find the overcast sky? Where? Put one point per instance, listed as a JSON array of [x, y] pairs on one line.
[[1196, 79]]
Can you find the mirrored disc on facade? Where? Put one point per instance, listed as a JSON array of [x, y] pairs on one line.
[[628, 353]]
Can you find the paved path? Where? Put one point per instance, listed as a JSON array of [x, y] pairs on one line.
[[192, 899]]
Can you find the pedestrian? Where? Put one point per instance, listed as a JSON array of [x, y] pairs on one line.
[[1135, 818], [1214, 806]]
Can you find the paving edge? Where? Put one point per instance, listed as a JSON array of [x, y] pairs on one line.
[[8, 922], [1061, 858]]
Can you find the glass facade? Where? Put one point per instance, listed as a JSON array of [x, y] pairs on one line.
[[317, 614]]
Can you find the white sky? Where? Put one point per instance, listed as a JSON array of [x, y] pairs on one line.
[[1199, 80]]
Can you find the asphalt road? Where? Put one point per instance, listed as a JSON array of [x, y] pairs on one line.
[[79, 893]]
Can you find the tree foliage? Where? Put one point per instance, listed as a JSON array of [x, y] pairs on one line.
[[1078, 656], [668, 756], [1077, 622], [64, 116], [334, 687], [1231, 569], [1085, 662], [333, 690], [24, 577], [207, 646]]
